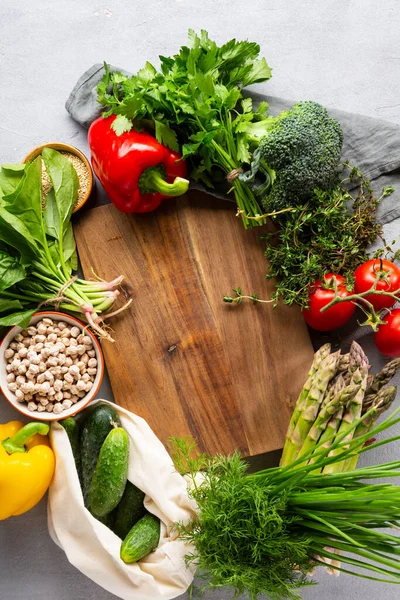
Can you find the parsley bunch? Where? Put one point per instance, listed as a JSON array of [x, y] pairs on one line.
[[195, 104]]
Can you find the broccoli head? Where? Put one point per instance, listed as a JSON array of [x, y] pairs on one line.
[[299, 153]]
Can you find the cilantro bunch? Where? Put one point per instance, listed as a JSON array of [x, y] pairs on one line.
[[195, 105]]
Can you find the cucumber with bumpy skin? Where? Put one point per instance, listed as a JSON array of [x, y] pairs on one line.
[[108, 520], [129, 510], [111, 473], [142, 539], [72, 429], [100, 420]]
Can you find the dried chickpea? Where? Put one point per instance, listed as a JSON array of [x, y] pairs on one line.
[[57, 408]]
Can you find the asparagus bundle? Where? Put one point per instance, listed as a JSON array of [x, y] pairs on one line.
[[338, 391], [265, 532]]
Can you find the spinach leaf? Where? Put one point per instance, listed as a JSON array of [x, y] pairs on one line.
[[69, 247], [10, 178], [33, 287], [54, 250], [65, 183], [11, 271], [14, 232], [22, 319], [6, 305], [26, 201], [52, 226], [51, 217]]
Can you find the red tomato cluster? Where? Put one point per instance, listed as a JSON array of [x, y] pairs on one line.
[[387, 338]]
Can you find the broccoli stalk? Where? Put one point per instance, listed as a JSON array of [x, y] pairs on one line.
[[299, 152]]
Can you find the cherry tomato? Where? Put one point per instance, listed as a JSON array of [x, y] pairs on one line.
[[365, 276], [334, 317], [387, 338]]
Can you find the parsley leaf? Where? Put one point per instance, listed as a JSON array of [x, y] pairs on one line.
[[166, 136], [121, 124]]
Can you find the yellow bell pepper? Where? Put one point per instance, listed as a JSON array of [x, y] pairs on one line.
[[26, 466]]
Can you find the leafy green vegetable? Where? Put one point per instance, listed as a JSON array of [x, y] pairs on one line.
[[11, 271], [65, 184], [21, 318], [14, 233], [7, 305], [195, 102], [26, 202], [10, 177], [37, 248]]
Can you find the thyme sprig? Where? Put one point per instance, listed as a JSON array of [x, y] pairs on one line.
[[329, 234]]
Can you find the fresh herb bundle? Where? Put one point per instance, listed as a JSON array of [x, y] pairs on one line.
[[263, 533], [329, 234], [195, 103], [37, 247]]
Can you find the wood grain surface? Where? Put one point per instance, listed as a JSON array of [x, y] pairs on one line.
[[184, 360]]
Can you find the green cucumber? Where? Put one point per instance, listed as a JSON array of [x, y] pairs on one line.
[[100, 420], [142, 539], [129, 510], [108, 520], [111, 473], [72, 429]]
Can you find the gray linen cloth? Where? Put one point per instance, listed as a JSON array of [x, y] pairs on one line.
[[371, 144]]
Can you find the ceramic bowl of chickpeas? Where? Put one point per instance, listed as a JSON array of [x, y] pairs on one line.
[[52, 369]]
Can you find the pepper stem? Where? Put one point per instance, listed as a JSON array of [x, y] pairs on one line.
[[153, 180], [17, 443]]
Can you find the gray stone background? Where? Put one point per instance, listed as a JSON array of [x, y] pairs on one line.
[[343, 53]]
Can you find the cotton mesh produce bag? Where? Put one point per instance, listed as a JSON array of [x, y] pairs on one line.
[[93, 548]]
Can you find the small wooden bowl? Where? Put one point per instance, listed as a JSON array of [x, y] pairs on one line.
[[72, 150]]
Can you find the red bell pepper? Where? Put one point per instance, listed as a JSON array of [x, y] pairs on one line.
[[136, 171]]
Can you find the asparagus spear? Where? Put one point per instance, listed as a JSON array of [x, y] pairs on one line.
[[353, 410], [344, 362], [382, 401], [334, 387], [357, 357], [340, 399], [319, 356], [332, 425], [334, 422], [309, 408], [327, 436], [379, 380]]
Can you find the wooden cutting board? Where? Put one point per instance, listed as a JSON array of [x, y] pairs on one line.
[[184, 360]]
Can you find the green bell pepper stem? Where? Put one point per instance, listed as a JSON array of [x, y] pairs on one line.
[[17, 443], [152, 180]]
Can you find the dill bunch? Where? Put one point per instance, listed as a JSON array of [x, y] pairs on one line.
[[264, 532], [329, 234], [245, 540]]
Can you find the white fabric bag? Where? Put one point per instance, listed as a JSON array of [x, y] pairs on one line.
[[93, 548]]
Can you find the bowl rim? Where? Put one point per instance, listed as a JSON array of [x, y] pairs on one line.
[[64, 147], [90, 396]]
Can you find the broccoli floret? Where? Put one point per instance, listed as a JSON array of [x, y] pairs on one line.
[[299, 153]]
